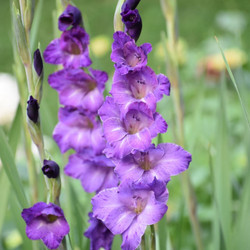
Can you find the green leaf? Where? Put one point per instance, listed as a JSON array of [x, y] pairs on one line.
[[243, 106], [4, 197], [20, 224], [242, 225], [9, 166], [36, 24], [221, 171], [15, 131], [14, 136], [161, 232]]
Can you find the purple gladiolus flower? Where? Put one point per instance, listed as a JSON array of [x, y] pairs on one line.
[[78, 131], [159, 162], [70, 17], [129, 5], [71, 49], [126, 55], [131, 132], [129, 208], [46, 222], [99, 234], [79, 89], [133, 23], [95, 172], [142, 85]]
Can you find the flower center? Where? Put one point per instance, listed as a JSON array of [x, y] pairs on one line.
[[70, 45], [133, 59], [138, 89], [74, 49], [138, 204], [51, 218], [91, 85], [144, 161], [134, 125]]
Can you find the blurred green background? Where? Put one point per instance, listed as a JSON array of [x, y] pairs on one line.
[[215, 129]]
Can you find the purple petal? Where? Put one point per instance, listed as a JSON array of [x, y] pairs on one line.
[[174, 161], [46, 222], [78, 131], [109, 110], [153, 212], [134, 87], [53, 53], [94, 172], [113, 130], [140, 140], [127, 168], [159, 126], [70, 17], [108, 208], [29, 213], [120, 38], [99, 234], [146, 47], [101, 78], [118, 149], [133, 23], [163, 87], [131, 238]]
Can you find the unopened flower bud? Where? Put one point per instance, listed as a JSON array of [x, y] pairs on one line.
[[20, 36], [28, 14], [129, 5], [32, 109], [133, 23], [70, 16], [50, 169], [38, 62]]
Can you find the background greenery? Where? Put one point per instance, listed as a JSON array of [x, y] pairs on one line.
[[215, 130]]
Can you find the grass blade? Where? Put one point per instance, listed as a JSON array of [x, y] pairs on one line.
[[14, 136], [9, 166], [4, 197], [35, 25], [235, 84], [221, 170]]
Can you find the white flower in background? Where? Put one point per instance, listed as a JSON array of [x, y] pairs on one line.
[[9, 98]]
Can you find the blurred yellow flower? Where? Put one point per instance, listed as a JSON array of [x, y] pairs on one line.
[[213, 65], [100, 45], [181, 51]]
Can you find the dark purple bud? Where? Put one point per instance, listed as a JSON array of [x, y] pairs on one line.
[[70, 16], [133, 23], [50, 169], [129, 5], [38, 62], [32, 109]]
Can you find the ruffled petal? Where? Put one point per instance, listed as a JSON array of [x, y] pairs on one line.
[[53, 53], [174, 161], [131, 238], [108, 207]]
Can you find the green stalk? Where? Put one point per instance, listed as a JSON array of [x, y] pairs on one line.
[[18, 70], [169, 11], [153, 237]]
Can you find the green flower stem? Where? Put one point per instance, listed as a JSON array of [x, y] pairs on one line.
[[30, 160], [143, 243], [153, 237], [29, 76], [169, 11], [18, 70]]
